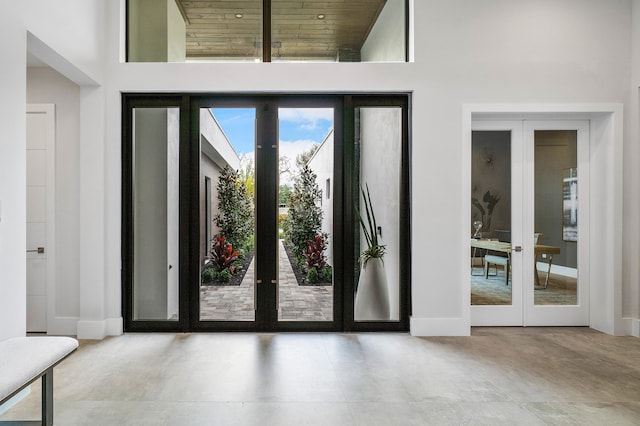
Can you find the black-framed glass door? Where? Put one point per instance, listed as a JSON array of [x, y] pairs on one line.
[[242, 212], [266, 159]]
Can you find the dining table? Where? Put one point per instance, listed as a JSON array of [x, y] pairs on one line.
[[544, 250]]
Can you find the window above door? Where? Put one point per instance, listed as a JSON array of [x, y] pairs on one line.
[[267, 31]]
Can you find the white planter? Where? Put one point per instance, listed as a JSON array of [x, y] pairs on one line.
[[372, 297]]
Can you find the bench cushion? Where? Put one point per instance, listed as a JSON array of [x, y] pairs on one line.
[[24, 359]]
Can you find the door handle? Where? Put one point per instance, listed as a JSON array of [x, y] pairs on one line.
[[517, 249], [39, 250]]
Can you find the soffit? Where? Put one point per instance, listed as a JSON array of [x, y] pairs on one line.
[[214, 31]]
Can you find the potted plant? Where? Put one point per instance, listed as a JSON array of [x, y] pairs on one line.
[[372, 295]]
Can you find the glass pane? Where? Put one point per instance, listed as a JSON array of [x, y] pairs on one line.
[[378, 154], [156, 138], [180, 30], [556, 217], [491, 218], [339, 31], [227, 141], [305, 198]]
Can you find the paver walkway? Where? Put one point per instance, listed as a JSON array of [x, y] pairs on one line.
[[297, 303]]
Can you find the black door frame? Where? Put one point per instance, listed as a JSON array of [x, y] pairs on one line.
[[345, 223]]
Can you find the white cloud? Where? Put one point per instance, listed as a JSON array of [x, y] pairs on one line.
[[308, 118]]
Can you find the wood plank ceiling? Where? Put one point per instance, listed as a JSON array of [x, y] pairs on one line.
[[301, 29]]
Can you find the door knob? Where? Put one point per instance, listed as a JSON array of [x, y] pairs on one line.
[[39, 250]]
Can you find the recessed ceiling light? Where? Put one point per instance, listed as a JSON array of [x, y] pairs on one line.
[[321, 16], [239, 15]]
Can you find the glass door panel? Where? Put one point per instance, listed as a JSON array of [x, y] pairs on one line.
[[491, 280], [155, 206], [227, 146], [556, 217], [496, 248], [377, 189], [557, 188], [305, 214]]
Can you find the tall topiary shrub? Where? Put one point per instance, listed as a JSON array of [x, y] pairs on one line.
[[235, 216], [304, 220]]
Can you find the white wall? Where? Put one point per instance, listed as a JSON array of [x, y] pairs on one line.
[[511, 51], [631, 249], [74, 39], [521, 51], [386, 41], [44, 85]]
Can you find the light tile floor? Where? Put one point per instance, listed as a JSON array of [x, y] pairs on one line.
[[297, 303], [498, 376]]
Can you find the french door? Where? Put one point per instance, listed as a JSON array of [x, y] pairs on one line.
[[240, 212], [530, 241]]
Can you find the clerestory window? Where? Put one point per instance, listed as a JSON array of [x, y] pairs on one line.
[[267, 31]]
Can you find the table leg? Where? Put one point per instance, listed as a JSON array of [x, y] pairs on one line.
[[546, 281]]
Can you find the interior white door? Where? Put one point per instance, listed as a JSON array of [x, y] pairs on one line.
[[40, 154], [497, 201], [556, 207]]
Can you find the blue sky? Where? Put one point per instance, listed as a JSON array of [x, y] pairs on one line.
[[299, 126]]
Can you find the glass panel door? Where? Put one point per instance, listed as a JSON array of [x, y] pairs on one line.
[[265, 252], [155, 205], [557, 293], [227, 214], [377, 200], [305, 214], [496, 223]]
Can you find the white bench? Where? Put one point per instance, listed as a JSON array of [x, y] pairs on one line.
[[23, 360]]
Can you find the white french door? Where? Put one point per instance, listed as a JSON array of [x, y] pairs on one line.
[[556, 206], [528, 266]]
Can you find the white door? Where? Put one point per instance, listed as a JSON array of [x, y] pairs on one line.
[[497, 200], [40, 213], [528, 267], [556, 290]]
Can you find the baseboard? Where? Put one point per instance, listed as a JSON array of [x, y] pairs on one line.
[[440, 327], [115, 326], [98, 330], [63, 326], [632, 325]]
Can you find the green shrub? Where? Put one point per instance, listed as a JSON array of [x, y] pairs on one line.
[[327, 274], [208, 275], [223, 276], [235, 217], [304, 219], [312, 275]]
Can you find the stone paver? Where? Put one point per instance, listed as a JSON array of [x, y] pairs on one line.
[[297, 303]]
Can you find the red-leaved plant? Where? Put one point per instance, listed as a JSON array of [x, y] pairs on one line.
[[222, 254], [314, 253]]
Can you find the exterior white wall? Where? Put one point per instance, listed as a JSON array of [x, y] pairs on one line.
[[385, 42], [508, 51], [322, 165], [44, 85], [158, 33]]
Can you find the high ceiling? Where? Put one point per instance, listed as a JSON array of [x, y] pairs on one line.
[[302, 29]]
